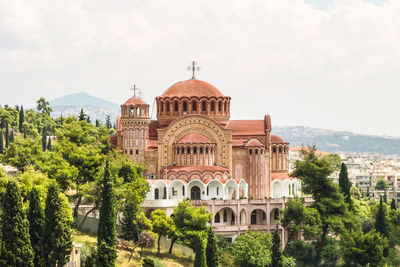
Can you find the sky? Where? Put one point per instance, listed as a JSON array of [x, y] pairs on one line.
[[331, 64]]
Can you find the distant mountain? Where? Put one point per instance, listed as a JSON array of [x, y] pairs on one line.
[[95, 107], [334, 141]]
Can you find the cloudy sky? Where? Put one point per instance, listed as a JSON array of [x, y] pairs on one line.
[[323, 63]]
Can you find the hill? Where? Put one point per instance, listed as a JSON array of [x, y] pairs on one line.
[[95, 107], [334, 141]]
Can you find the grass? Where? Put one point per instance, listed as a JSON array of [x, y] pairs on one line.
[[179, 258]]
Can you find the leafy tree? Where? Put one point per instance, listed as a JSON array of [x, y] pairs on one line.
[[22, 153], [362, 249], [328, 201], [44, 140], [16, 249], [212, 251], [334, 161], [345, 185], [303, 252], [21, 119], [106, 233], [49, 144], [43, 106], [393, 205], [162, 225], [1, 142], [36, 226], [57, 235], [276, 259], [381, 223], [82, 116], [192, 222], [252, 249]]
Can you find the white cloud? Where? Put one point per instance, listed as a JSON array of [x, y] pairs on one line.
[[336, 68]]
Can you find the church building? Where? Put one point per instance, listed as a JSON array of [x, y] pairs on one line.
[[237, 169]]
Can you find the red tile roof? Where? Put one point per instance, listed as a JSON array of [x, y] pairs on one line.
[[195, 138], [134, 101], [277, 140], [280, 175], [255, 142], [192, 88], [247, 127]]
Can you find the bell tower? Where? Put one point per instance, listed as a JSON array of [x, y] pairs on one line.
[[135, 121]]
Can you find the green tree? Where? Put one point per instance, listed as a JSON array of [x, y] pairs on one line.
[[7, 136], [57, 235], [108, 121], [21, 119], [381, 184], [106, 233], [276, 259], [192, 222], [252, 249], [361, 249], [43, 106], [22, 153], [393, 205], [212, 251], [16, 249], [1, 142], [44, 140], [82, 116], [328, 201], [162, 225], [36, 226], [345, 185], [49, 144], [381, 222]]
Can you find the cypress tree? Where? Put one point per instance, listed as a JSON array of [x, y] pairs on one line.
[[276, 257], [381, 224], [385, 197], [1, 142], [345, 185], [212, 253], [393, 205], [97, 123], [44, 139], [21, 119], [49, 144], [7, 135], [368, 191], [106, 233], [108, 121], [61, 120], [88, 119], [36, 224], [16, 249], [11, 137], [57, 243], [82, 115]]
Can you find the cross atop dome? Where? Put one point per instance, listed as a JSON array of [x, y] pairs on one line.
[[193, 68], [136, 89]]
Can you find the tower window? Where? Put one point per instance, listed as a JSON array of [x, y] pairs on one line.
[[280, 150], [256, 151], [188, 150], [206, 150], [212, 106], [162, 107], [137, 151], [194, 106], [183, 150], [167, 107], [204, 106], [251, 151], [184, 106], [195, 150], [176, 106], [225, 106], [131, 111], [131, 152], [274, 149], [219, 106], [201, 150], [177, 151]]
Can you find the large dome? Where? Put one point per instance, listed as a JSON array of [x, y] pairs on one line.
[[192, 88]]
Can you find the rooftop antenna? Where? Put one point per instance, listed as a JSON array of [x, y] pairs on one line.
[[193, 69]]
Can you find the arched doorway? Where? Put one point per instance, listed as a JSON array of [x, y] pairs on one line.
[[258, 216], [195, 193]]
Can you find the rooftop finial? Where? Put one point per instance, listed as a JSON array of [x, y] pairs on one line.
[[134, 89], [193, 68]]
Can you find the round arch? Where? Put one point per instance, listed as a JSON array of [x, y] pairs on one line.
[[225, 216], [276, 189], [200, 185], [215, 189], [258, 216], [231, 189]]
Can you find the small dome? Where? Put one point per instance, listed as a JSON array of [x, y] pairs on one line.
[[192, 88], [277, 140], [134, 101], [194, 138]]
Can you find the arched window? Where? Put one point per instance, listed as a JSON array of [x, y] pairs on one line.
[[225, 104], [276, 214], [183, 150], [162, 107], [131, 111], [213, 106], [184, 106], [168, 107], [232, 219], [194, 106], [225, 216], [251, 151], [176, 106], [195, 150], [280, 149], [219, 106], [195, 193], [188, 150], [217, 218], [183, 190], [165, 193], [217, 191], [256, 150], [274, 149], [156, 194], [254, 217], [206, 150], [208, 190], [204, 106], [201, 150]]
